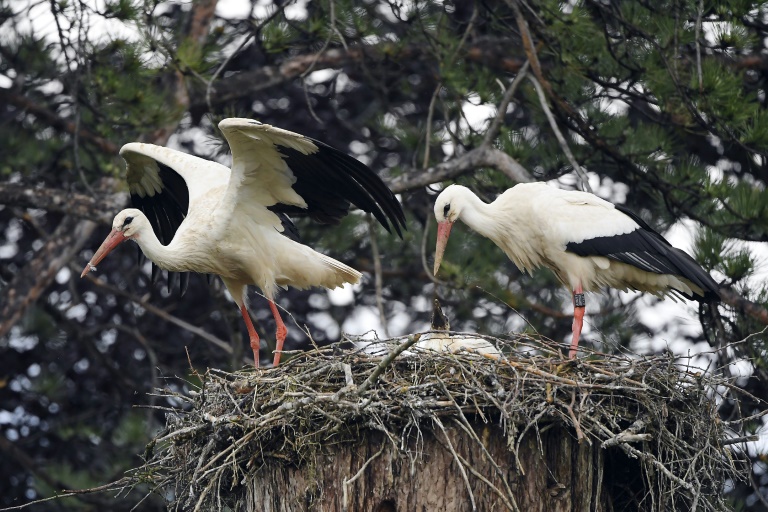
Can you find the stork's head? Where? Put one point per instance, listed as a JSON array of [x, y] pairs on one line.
[[127, 225], [449, 203], [447, 209], [130, 222]]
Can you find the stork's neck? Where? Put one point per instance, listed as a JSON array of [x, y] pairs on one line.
[[504, 222], [479, 216], [163, 256]]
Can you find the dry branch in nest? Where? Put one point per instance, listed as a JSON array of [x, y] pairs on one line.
[[334, 429]]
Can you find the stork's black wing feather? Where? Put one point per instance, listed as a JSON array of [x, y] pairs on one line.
[[329, 180], [289, 228], [647, 250], [166, 210], [387, 203]]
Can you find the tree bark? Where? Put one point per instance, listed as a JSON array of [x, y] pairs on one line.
[[556, 474]]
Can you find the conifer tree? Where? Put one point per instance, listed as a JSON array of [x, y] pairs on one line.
[[662, 105]]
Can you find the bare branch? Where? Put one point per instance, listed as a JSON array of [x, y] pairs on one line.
[[741, 439], [494, 54], [493, 130], [752, 309], [479, 157], [377, 274], [580, 174], [210, 338], [34, 277], [428, 135], [386, 361]]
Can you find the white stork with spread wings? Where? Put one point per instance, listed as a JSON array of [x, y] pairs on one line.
[[195, 215], [586, 241]]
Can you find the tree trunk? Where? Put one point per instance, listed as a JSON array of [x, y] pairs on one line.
[[555, 474]]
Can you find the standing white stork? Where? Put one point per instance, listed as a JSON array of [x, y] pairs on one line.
[[586, 241], [195, 215]]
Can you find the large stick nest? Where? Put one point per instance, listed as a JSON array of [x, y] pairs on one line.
[[652, 409]]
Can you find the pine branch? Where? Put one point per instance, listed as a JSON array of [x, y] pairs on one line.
[[55, 121], [196, 32], [494, 53], [99, 209]]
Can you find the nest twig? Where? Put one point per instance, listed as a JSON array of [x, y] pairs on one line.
[[653, 410]]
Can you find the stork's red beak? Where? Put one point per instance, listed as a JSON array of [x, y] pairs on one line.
[[114, 239], [443, 231]]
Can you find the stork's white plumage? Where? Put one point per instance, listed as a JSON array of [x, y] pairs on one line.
[[195, 215], [586, 241]]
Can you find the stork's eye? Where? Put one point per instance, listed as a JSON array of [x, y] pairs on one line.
[[446, 209], [127, 221]]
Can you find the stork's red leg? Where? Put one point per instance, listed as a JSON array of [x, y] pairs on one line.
[[255, 343], [281, 333], [578, 319]]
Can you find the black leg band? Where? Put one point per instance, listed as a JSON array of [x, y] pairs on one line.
[[579, 301]]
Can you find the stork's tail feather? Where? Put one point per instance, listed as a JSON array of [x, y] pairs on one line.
[[303, 267], [343, 273], [700, 278]]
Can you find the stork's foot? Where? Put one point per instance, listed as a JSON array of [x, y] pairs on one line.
[[280, 334], [255, 345], [252, 335]]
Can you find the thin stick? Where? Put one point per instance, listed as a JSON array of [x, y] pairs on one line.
[[428, 135], [370, 381], [698, 45], [464, 423], [495, 127], [576, 424], [379, 284], [345, 502], [458, 462], [580, 174], [226, 347], [742, 439]]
